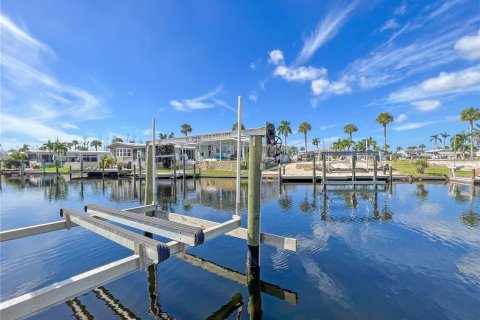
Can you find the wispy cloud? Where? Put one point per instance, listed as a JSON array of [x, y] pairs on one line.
[[401, 118], [330, 126], [326, 29], [412, 125], [469, 46], [401, 9], [30, 91], [460, 82], [426, 105], [253, 96], [208, 100], [389, 24], [324, 86], [301, 74]]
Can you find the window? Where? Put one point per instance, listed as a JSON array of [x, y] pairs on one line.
[[90, 158], [123, 152]]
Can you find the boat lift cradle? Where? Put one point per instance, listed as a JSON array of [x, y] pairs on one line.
[[184, 231]]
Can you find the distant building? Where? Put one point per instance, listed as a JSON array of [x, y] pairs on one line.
[[127, 152], [70, 158]]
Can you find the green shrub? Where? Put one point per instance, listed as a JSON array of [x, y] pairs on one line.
[[106, 162], [421, 165], [120, 165]]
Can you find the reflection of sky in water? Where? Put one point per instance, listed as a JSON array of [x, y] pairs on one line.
[[412, 254]]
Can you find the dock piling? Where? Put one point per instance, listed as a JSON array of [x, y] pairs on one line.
[[81, 166], [374, 169], [149, 178], [70, 172], [254, 177], [314, 179]]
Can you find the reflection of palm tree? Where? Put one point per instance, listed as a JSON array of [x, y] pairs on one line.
[[285, 202], [470, 219], [421, 192]]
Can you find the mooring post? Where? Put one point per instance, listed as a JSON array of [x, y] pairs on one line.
[[149, 178], [81, 166], [194, 171], [254, 178], [183, 165], [134, 171], [390, 173], [139, 168], [174, 167], [324, 168], [314, 179], [254, 293], [353, 167], [43, 167], [375, 168], [70, 172], [280, 173], [284, 168], [103, 168], [56, 166]]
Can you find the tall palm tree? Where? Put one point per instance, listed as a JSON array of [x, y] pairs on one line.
[[476, 134], [75, 144], [285, 130], [470, 114], [350, 129], [435, 139], [96, 144], [421, 146], [384, 119], [316, 142], [50, 147], [444, 136], [304, 128], [235, 126], [186, 129]]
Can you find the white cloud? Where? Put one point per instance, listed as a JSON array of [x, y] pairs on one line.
[[412, 125], [469, 46], [453, 118], [390, 24], [390, 63], [208, 100], [276, 57], [30, 91], [67, 125], [402, 9], [328, 127], [324, 86], [464, 81], [401, 118], [326, 29], [426, 105], [444, 7], [253, 96], [299, 73]]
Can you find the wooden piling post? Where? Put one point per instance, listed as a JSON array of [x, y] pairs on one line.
[[81, 166], [353, 167], [174, 167], [103, 168], [375, 168], [70, 172], [22, 168], [134, 172], [284, 168], [314, 179], [390, 173], [194, 171], [183, 164], [139, 168], [324, 168], [43, 167], [280, 173], [254, 178], [149, 178]]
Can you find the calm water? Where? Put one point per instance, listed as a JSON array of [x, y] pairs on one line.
[[411, 254]]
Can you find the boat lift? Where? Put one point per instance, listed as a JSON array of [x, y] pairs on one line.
[[183, 232]]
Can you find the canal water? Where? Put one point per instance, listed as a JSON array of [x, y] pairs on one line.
[[412, 253]]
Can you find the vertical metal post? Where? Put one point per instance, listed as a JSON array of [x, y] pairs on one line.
[[254, 178], [239, 142]]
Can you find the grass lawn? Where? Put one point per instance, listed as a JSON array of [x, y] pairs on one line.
[[220, 173], [408, 167], [60, 170]]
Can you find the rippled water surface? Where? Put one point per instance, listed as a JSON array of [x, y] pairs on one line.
[[412, 253]]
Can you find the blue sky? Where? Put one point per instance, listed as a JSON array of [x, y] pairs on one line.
[[74, 69]]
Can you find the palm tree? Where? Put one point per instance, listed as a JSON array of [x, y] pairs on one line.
[[96, 144], [470, 114], [74, 144], [186, 129], [350, 129], [371, 142], [305, 127], [235, 126], [50, 147], [435, 139], [316, 142], [384, 119], [476, 134], [285, 130], [444, 136], [422, 146], [460, 143]]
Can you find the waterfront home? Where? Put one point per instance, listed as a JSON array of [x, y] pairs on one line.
[[70, 158], [127, 152]]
